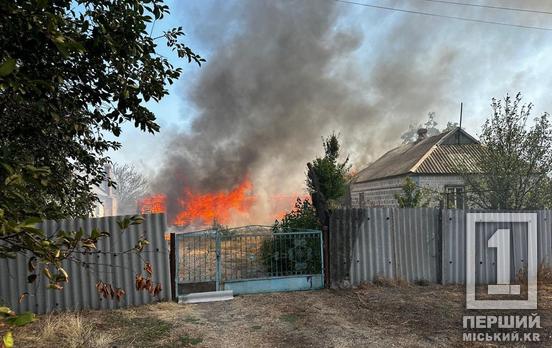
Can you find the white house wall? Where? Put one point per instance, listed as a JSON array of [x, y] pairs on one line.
[[381, 193], [437, 183], [378, 193]]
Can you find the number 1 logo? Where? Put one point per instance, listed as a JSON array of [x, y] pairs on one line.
[[501, 240]]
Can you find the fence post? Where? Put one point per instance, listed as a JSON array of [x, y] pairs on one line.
[[326, 254], [218, 265], [172, 265], [439, 237], [394, 243]]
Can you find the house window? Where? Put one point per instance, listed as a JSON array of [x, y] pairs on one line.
[[361, 199], [455, 197]]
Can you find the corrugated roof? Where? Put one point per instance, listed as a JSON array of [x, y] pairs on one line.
[[451, 159], [433, 155]]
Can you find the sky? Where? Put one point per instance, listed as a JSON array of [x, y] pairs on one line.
[[287, 72]]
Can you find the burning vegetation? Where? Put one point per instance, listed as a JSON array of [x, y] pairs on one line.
[[203, 208]]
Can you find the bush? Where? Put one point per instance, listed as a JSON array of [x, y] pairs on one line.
[[286, 254]]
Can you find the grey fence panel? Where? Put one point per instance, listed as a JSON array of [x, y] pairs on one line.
[[416, 243], [111, 265], [453, 246], [373, 248], [361, 245], [413, 244], [545, 237]]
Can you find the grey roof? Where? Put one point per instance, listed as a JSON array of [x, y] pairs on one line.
[[438, 154], [452, 159]]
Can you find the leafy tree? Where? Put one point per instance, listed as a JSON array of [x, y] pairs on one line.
[[303, 216], [131, 186], [411, 196], [328, 177], [72, 72], [516, 166]]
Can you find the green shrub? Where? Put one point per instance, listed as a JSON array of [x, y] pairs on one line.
[[286, 254]]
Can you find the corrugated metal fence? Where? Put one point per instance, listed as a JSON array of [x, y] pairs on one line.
[[388, 242], [111, 265], [421, 244], [454, 246]]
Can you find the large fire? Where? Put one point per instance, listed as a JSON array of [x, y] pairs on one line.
[[219, 206], [204, 208], [153, 204], [225, 207]]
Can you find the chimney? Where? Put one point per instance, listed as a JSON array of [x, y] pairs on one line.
[[422, 134]]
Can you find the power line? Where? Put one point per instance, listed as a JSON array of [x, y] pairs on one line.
[[430, 14], [516, 9]]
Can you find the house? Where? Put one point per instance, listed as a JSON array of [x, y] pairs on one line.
[[433, 163], [107, 206]]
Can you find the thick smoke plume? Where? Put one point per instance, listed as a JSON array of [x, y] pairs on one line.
[[285, 73]]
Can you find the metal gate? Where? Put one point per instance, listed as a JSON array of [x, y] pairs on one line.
[[249, 259]]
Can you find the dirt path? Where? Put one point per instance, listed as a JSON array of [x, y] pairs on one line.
[[413, 316]]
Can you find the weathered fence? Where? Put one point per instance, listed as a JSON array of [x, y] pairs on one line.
[[454, 246], [421, 244], [110, 265]]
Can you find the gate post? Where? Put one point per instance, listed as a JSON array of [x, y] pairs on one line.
[[218, 261], [172, 265], [326, 255]]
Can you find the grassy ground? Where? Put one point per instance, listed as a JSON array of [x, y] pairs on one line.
[[379, 316]]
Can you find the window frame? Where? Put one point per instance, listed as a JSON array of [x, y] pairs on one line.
[[361, 199], [457, 197]]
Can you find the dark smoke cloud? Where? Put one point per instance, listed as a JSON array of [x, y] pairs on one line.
[[282, 74]]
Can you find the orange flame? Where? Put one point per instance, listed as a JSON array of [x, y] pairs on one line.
[[205, 208], [153, 204], [225, 207]]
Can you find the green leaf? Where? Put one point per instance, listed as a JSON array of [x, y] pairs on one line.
[[123, 224], [7, 340], [5, 310], [21, 319], [32, 221], [79, 234], [95, 234], [42, 3], [14, 178], [136, 220], [7, 67]]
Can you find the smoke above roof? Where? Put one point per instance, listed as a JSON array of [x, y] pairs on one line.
[[282, 74]]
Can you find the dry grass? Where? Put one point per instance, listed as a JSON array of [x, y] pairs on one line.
[[544, 275], [72, 330], [390, 282], [384, 315]]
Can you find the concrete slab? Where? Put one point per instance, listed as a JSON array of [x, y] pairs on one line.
[[209, 296]]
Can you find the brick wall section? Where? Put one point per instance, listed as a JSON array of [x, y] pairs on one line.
[[378, 193], [381, 193]]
